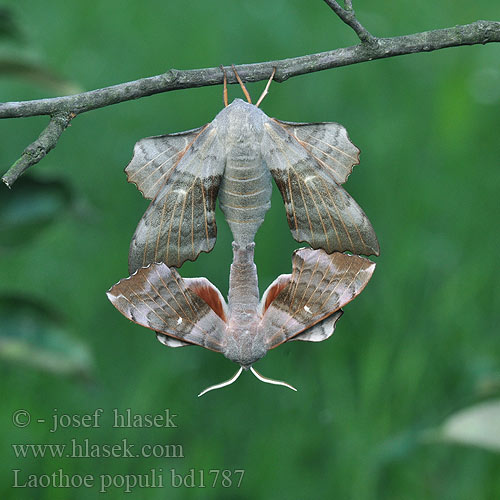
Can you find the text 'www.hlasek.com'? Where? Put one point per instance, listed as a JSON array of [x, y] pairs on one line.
[[162, 457]]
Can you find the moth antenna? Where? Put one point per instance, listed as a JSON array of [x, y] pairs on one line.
[[225, 85], [270, 380], [222, 384], [242, 85], [261, 98]]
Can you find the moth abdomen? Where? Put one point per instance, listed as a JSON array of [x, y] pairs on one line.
[[245, 197]]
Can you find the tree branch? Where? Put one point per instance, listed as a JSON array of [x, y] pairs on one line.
[[480, 32], [348, 15]]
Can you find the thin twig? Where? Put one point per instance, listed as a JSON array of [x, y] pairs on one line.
[[480, 32], [348, 15], [39, 148]]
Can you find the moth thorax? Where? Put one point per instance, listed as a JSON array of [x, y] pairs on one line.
[[243, 153], [244, 350], [244, 123]]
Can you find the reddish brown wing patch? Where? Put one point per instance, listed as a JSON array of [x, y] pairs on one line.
[[204, 289], [275, 289]]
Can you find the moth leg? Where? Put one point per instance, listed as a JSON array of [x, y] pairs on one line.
[[225, 85], [267, 88], [242, 85]]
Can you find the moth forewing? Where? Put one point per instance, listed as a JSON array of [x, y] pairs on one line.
[[180, 221], [319, 211], [329, 143], [155, 158]]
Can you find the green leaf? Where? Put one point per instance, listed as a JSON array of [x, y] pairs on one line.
[[30, 207], [15, 64], [19, 58], [478, 425], [9, 28], [33, 335]]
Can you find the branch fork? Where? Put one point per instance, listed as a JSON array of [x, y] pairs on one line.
[[46, 141], [348, 15]]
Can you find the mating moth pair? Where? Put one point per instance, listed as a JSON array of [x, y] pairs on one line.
[[234, 158]]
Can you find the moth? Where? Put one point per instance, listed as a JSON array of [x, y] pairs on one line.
[[304, 305], [234, 158]]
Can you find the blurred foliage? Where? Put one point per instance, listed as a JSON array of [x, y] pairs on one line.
[[30, 208], [33, 335], [419, 344], [19, 59], [9, 29], [12, 64], [478, 425]]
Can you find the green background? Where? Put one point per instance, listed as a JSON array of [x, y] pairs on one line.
[[420, 343]]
